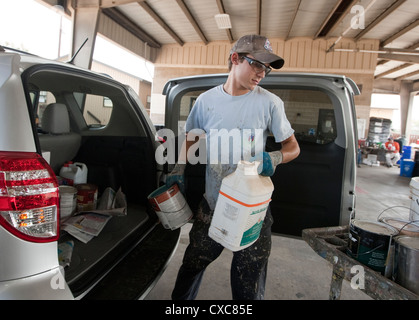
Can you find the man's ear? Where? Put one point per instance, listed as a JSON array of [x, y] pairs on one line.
[[235, 58]]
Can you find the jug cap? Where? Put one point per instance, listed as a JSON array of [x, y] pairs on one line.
[[248, 168]]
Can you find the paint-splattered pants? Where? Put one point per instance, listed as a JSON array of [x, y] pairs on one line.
[[248, 268]]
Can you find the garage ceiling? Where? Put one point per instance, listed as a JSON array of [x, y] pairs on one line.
[[395, 23]]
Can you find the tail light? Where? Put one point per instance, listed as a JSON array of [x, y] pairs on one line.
[[29, 197]]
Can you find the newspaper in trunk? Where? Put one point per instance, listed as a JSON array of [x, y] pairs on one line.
[[86, 225]]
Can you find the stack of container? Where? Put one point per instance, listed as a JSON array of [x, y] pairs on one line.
[[379, 130]]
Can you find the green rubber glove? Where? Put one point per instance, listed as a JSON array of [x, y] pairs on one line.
[[268, 162]]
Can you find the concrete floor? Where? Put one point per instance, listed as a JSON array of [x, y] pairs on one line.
[[295, 271]]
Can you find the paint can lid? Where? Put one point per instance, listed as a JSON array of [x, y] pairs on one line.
[[375, 227], [408, 242]]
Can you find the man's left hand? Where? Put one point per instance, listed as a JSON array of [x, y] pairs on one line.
[[268, 162]]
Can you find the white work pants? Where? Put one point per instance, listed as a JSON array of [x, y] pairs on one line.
[[392, 158]]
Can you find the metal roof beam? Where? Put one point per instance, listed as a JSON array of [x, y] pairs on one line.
[[160, 21], [293, 19], [114, 3], [400, 33], [259, 16], [192, 20], [410, 58], [401, 67], [339, 11], [221, 9], [380, 18], [405, 65], [407, 75], [130, 26]]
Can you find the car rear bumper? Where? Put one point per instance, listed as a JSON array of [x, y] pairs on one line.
[[139, 271], [48, 285]]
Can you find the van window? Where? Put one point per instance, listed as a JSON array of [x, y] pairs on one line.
[[310, 112], [187, 102]]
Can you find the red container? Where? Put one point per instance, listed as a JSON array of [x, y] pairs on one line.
[[86, 197]]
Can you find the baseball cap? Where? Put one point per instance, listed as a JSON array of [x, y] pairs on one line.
[[260, 48]]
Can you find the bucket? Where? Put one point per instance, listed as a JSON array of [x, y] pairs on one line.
[[241, 207], [406, 167], [414, 196], [406, 262], [170, 206], [371, 243], [86, 197], [73, 173], [404, 227], [68, 201]]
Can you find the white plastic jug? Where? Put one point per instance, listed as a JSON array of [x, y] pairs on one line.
[[73, 173], [241, 207]]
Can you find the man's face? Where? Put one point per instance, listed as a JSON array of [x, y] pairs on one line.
[[247, 75]]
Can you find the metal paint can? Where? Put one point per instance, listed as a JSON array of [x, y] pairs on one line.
[[404, 227], [170, 206], [86, 197], [414, 196], [406, 262], [372, 244]]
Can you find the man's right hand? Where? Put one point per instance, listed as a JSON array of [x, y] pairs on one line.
[[177, 175]]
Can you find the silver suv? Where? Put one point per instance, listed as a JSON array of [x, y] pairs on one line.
[[55, 112]]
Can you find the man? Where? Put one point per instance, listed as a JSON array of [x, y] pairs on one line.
[[239, 104], [393, 152]]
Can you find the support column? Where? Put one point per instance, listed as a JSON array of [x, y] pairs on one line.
[[85, 22], [406, 103]]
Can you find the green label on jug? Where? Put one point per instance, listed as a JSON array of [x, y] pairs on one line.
[[259, 210], [251, 234]]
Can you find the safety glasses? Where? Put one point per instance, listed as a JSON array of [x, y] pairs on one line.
[[258, 66]]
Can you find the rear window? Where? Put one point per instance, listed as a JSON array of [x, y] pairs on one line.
[[93, 103], [310, 112], [41, 100], [97, 109]]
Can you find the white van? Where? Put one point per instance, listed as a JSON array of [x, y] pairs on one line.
[[318, 188]]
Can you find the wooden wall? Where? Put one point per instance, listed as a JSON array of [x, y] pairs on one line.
[[299, 53]]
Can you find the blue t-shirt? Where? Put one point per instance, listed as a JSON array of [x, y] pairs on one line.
[[236, 128]]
